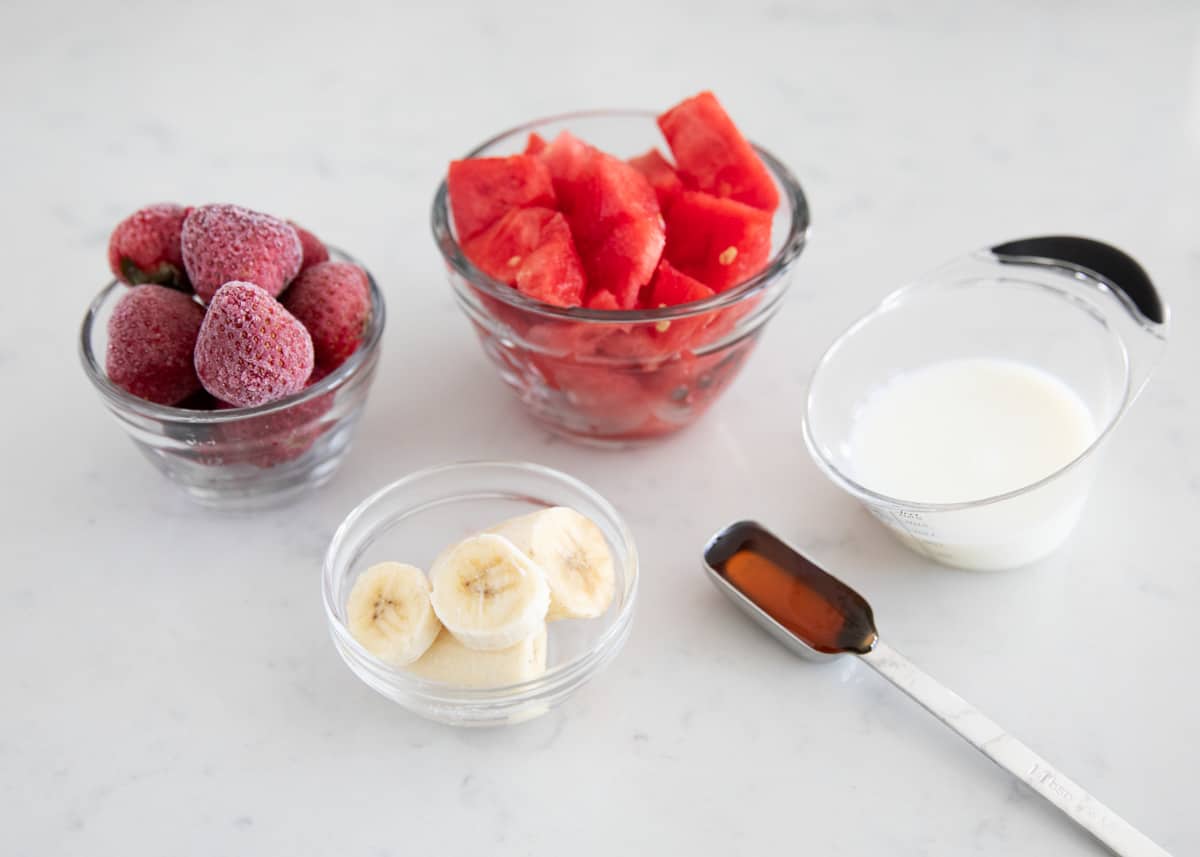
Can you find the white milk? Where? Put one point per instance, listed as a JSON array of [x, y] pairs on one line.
[[968, 429]]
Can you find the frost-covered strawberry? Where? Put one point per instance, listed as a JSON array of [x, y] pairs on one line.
[[313, 250], [332, 300], [151, 336], [145, 247], [251, 350], [224, 243]]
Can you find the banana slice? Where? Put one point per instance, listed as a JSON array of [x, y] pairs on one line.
[[573, 553], [488, 594], [390, 613], [450, 662]]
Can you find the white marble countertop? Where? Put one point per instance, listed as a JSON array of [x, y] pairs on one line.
[[170, 687]]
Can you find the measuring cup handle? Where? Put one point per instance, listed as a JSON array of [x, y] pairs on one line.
[[1095, 268], [1102, 261]]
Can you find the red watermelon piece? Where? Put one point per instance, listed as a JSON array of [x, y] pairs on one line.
[[672, 287], [553, 272], [602, 299], [565, 157], [535, 144], [531, 249], [482, 190], [649, 344], [682, 389], [661, 175], [713, 156], [500, 250], [607, 400], [719, 242], [613, 213]]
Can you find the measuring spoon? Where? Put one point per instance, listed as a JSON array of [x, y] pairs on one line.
[[817, 616]]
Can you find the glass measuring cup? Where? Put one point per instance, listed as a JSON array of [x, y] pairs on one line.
[[1078, 309]]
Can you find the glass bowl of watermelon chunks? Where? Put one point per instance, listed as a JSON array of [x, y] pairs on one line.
[[619, 289]]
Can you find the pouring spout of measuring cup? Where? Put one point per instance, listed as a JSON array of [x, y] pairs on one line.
[[1111, 281], [1104, 269], [818, 616], [1101, 262]]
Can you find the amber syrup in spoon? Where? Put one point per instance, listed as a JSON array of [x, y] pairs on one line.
[[823, 612]]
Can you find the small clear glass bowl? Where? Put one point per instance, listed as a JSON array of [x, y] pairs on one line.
[[613, 378], [413, 519], [241, 458]]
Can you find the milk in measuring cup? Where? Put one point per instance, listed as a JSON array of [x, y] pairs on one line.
[[964, 430]]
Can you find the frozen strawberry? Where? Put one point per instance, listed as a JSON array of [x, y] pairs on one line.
[[661, 175], [224, 243], [251, 350], [482, 190], [202, 400], [266, 440], [145, 247], [151, 336], [333, 301], [312, 250]]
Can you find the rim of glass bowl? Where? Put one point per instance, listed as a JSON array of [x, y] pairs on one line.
[[895, 300], [787, 254], [561, 677], [334, 380]]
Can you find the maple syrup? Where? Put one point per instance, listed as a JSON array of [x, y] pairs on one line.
[[821, 611]]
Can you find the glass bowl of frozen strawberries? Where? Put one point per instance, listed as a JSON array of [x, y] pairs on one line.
[[234, 348], [618, 283]]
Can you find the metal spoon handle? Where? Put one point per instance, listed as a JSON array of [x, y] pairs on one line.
[[1010, 754]]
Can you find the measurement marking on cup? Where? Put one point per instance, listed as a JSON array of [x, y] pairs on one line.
[[912, 523], [1046, 777]]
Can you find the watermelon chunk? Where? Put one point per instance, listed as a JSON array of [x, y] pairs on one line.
[[482, 190], [605, 399], [553, 272], [719, 242], [500, 250], [683, 389], [602, 299], [535, 144], [672, 287], [613, 213], [661, 175], [713, 156], [650, 344], [531, 248], [565, 158]]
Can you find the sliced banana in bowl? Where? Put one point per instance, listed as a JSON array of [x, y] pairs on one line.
[[468, 644], [390, 613], [488, 593], [573, 554], [450, 662]]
